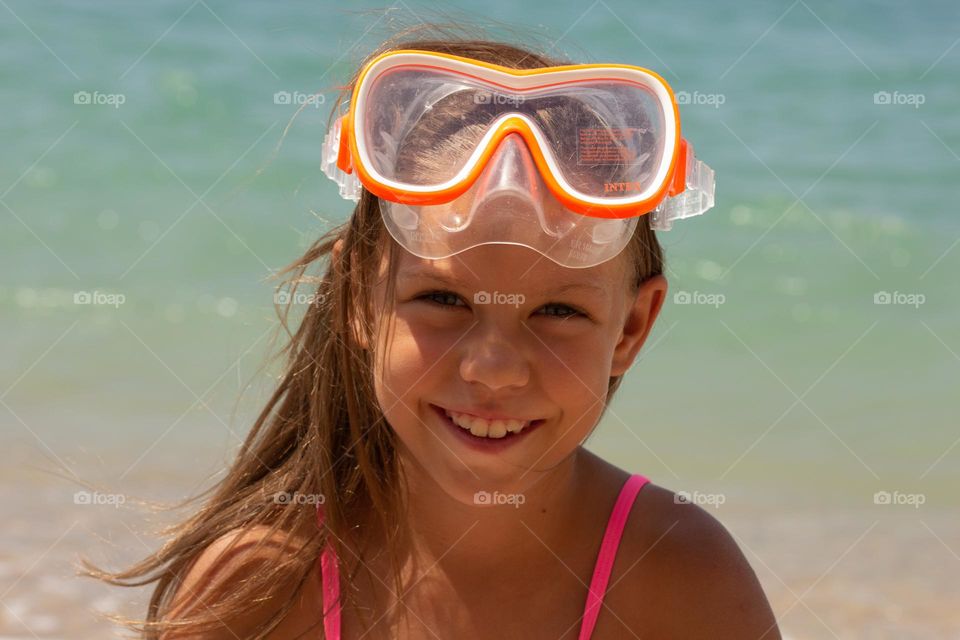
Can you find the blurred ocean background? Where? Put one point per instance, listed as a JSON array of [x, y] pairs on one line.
[[804, 373]]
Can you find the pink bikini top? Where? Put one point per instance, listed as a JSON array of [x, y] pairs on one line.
[[330, 573]]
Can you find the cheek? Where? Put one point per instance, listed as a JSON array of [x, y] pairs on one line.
[[577, 377], [579, 366], [422, 359], [413, 352], [402, 376]]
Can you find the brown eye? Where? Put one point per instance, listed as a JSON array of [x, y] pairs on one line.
[[570, 311], [443, 299]]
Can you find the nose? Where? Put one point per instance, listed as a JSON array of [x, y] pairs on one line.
[[494, 362]]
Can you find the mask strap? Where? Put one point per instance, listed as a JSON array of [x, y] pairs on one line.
[[350, 187], [696, 199]]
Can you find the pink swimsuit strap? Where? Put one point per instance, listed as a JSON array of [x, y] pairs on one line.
[[330, 573], [330, 576], [608, 552]]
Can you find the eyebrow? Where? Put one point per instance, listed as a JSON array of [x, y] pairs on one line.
[[453, 280]]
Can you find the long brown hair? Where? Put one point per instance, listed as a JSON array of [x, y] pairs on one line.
[[322, 432]]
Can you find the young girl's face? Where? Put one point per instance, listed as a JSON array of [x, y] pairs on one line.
[[502, 330]]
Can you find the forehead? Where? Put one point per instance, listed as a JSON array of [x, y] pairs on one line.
[[509, 267]]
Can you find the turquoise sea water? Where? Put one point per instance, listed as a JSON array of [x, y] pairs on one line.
[[180, 200]]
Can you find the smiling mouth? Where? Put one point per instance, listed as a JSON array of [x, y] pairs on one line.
[[491, 429]]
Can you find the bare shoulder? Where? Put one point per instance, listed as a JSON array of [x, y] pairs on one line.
[[231, 559], [681, 574]]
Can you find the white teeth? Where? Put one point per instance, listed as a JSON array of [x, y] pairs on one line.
[[498, 429], [486, 428], [515, 426]]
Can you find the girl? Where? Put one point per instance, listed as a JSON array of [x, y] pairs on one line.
[[419, 472]]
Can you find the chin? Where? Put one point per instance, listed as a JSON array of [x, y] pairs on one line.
[[470, 486]]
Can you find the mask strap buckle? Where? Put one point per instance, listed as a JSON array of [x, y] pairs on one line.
[[350, 187], [696, 199]]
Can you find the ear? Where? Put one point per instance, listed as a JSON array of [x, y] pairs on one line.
[[358, 335], [639, 320]]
